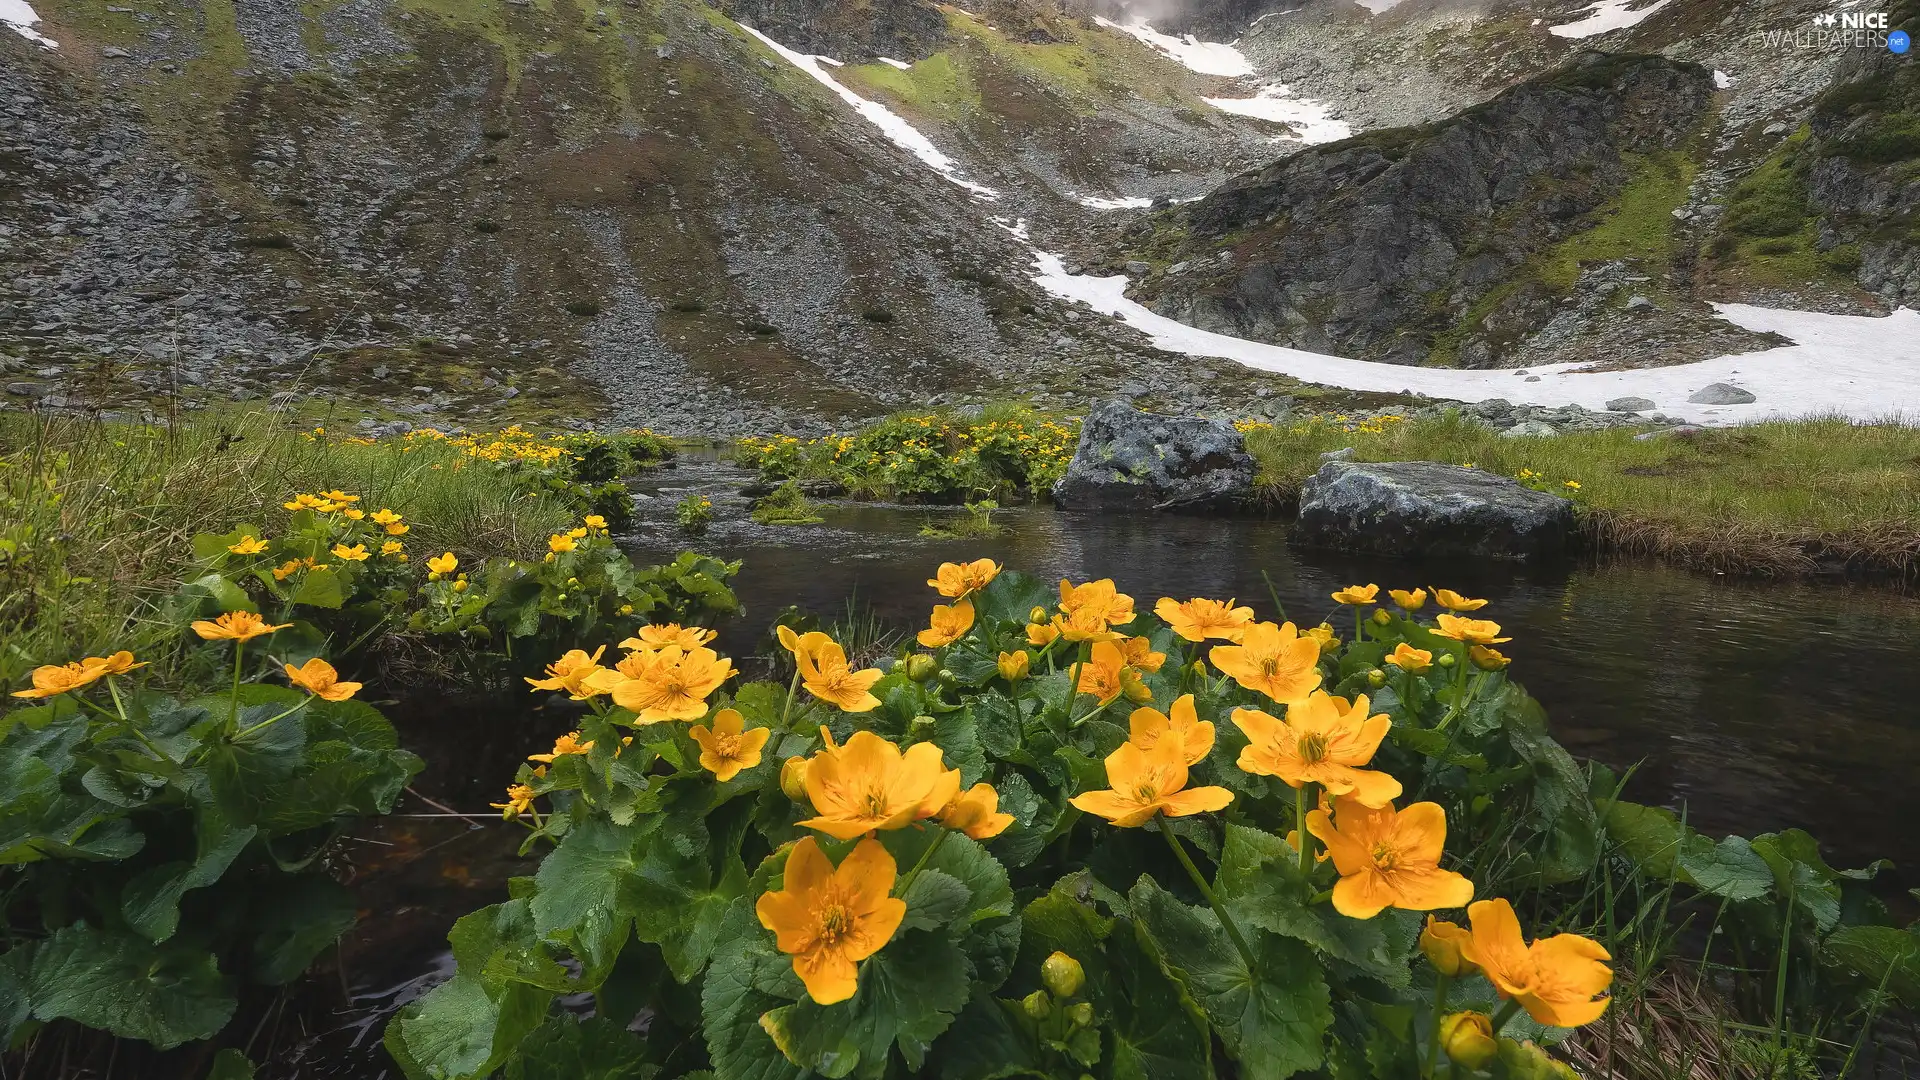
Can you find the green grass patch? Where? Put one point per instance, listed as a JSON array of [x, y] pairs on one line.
[[1636, 225], [941, 85]]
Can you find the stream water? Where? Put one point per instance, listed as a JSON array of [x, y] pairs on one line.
[[1757, 706]]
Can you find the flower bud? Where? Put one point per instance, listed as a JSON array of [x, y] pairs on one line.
[[1081, 1014], [1444, 942], [923, 725], [1200, 668], [1380, 617], [921, 667], [1014, 665], [793, 779], [1376, 678], [1039, 615], [1037, 1004], [1135, 690], [1062, 974], [1487, 659], [1468, 1038], [1447, 659], [948, 677]]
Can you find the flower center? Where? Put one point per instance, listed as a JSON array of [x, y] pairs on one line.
[[1146, 792], [1270, 666], [725, 745], [1313, 748], [835, 922], [876, 804], [1384, 857]]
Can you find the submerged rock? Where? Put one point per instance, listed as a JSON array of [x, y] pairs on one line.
[[1428, 508], [1132, 460]]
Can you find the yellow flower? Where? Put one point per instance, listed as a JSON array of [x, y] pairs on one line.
[[1468, 1039], [560, 542], [1407, 658], [1409, 601], [519, 801], [1180, 724], [670, 684], [118, 664], [869, 784], [1556, 979], [1102, 674], [392, 547], [830, 918], [356, 553], [235, 626], [1014, 665], [339, 496], [353, 515], [1487, 659], [303, 502], [317, 677], [959, 579], [397, 529], [659, 637], [571, 672], [1088, 610], [595, 521], [1388, 858], [460, 585], [1199, 619], [287, 569], [1143, 783], [1453, 601], [1274, 660], [1324, 638], [1472, 631], [977, 813], [825, 673], [947, 624], [248, 545], [440, 566], [729, 746], [1357, 594], [1324, 741], [1573, 485], [383, 516], [1140, 655], [566, 744], [1445, 944], [52, 680], [1041, 635]]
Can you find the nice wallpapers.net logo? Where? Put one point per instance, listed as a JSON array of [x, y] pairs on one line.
[[1840, 30]]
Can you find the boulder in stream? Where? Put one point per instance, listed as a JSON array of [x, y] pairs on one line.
[[1132, 460], [1429, 508]]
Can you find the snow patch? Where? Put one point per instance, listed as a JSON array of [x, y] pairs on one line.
[[1099, 202], [1861, 367], [891, 124], [1311, 120], [1378, 6], [20, 17], [1016, 226], [901, 64], [1203, 57], [1722, 80], [1273, 14], [1605, 16]]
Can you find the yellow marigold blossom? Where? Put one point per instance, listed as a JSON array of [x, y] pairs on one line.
[[519, 801], [566, 744], [825, 673], [303, 501], [729, 746], [248, 545], [1324, 638], [595, 521], [1388, 858], [1557, 979], [830, 918], [1408, 601], [392, 547], [1356, 595], [1088, 610], [947, 624], [398, 529], [1274, 660], [560, 542], [356, 553], [461, 584], [1573, 485], [571, 673], [1199, 619], [52, 680], [1324, 740], [1041, 634], [336, 495], [976, 812], [1487, 659], [441, 565], [959, 579], [118, 664], [287, 569], [317, 677], [1453, 601], [1147, 728], [235, 626], [1445, 944], [353, 515], [669, 684], [1468, 1039], [1014, 665], [1101, 674], [1142, 783], [1472, 631], [1407, 658], [384, 516], [870, 784], [659, 637], [1140, 655]]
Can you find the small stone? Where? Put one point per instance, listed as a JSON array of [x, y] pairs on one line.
[[1721, 394], [1529, 429], [114, 52], [1640, 303], [1629, 404]]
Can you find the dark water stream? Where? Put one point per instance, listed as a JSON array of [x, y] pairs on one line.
[[1757, 706]]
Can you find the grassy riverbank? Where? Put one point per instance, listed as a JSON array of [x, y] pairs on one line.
[[1775, 499]]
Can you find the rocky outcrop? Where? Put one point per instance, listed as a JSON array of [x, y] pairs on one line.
[[1131, 460], [904, 30], [1860, 181], [1427, 508]]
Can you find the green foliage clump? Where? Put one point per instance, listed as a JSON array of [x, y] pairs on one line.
[[693, 514], [977, 524], [1006, 453], [787, 505]]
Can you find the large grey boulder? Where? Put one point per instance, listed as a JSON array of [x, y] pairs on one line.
[[1132, 460], [1427, 508], [1721, 394]]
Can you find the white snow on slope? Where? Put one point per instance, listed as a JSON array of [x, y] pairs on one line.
[[1378, 6], [1861, 367], [1310, 119], [1606, 15], [890, 123], [1722, 80], [891, 62], [1099, 202], [1204, 57], [20, 17]]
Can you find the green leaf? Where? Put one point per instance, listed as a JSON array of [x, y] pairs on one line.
[[987, 1043], [215, 593], [971, 663], [463, 1029], [1261, 885], [909, 994], [1010, 596], [1158, 1031], [995, 722], [564, 1048], [746, 980], [935, 899], [151, 901], [1653, 837], [230, 1064], [128, 986], [1729, 869], [298, 917], [680, 906], [1877, 953], [322, 587], [1274, 1020]]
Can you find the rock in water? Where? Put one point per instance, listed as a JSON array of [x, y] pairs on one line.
[[1721, 394], [1132, 460], [1427, 508]]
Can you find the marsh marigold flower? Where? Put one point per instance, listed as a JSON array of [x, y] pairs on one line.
[[1103, 674], [1273, 660], [356, 553], [594, 521], [317, 677], [1140, 655], [1181, 725], [1324, 740], [1388, 858], [1142, 783], [870, 784], [729, 746], [519, 801], [118, 664], [392, 547], [947, 624], [830, 918], [235, 626], [560, 542], [1555, 979], [1041, 634], [1356, 595], [1199, 619], [1407, 658], [1408, 601], [659, 637], [1487, 659], [384, 516], [959, 579], [1323, 638], [303, 502], [564, 745], [52, 680], [1014, 665], [248, 545], [441, 565], [1087, 611], [976, 812], [825, 673], [1444, 944], [669, 684], [571, 673], [1453, 601], [1468, 1039], [1472, 631], [336, 495]]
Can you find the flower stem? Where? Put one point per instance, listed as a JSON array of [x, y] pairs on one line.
[[925, 857], [793, 690], [1073, 676], [1433, 1031], [1226, 921], [239, 651], [271, 720], [1505, 1014], [1300, 823]]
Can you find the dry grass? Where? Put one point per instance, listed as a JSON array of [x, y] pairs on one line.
[[1670, 1026], [1782, 498]]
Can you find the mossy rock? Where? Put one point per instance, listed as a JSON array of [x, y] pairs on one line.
[[877, 315], [485, 225], [583, 308]]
